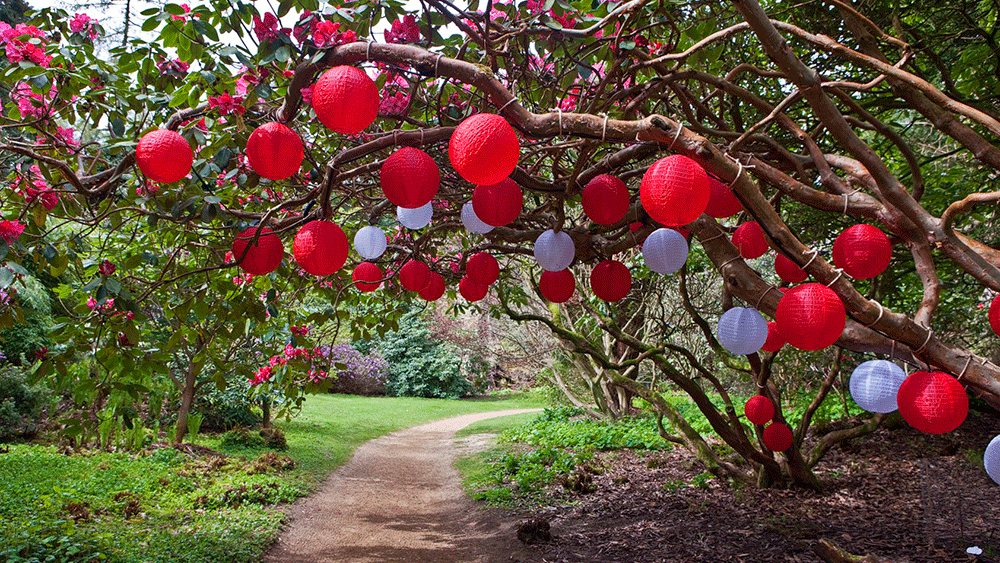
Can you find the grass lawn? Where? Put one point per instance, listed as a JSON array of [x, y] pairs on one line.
[[167, 507]]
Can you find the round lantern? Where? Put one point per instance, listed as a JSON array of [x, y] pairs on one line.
[[788, 271], [482, 268], [774, 340], [434, 288], [665, 251], [367, 276], [414, 219], [811, 316], [557, 287], [874, 385], [345, 99], [862, 251], [320, 247], [414, 275], [759, 410], [610, 280], [554, 251], [605, 199], [721, 203], [932, 402], [471, 290], [499, 204], [778, 437], [274, 151], [472, 222], [409, 178], [994, 315], [991, 460], [369, 242], [674, 190], [749, 239], [484, 149], [264, 256], [742, 330], [164, 156]]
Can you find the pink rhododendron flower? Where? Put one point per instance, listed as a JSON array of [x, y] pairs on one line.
[[84, 25], [227, 104], [66, 134], [175, 67], [404, 31], [267, 28], [10, 231], [307, 94]]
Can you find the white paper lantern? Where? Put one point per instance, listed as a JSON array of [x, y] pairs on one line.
[[472, 222], [554, 251], [991, 460], [369, 242], [416, 218], [742, 330], [874, 385], [665, 251]]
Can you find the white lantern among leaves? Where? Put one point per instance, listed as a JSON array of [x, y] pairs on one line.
[[991, 460], [416, 218], [665, 251], [874, 385], [472, 222], [554, 251], [369, 242], [742, 330]]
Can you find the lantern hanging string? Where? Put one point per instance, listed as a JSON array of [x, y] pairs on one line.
[[762, 296], [847, 198], [437, 63], [740, 171], [966, 368], [881, 311], [677, 135], [721, 234], [730, 261], [559, 109], [368, 52], [503, 107], [815, 253], [604, 128], [930, 332], [840, 273]]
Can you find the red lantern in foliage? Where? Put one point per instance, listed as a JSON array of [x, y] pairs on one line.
[[778, 437], [410, 178], [789, 271], [264, 256], [749, 239], [721, 203], [995, 315], [674, 190], [414, 275], [274, 151], [932, 402], [164, 156], [345, 99], [605, 199], [811, 316], [482, 268], [557, 287], [863, 251], [498, 204], [484, 149], [320, 248], [759, 410], [434, 289], [471, 290], [774, 340], [610, 280], [368, 276]]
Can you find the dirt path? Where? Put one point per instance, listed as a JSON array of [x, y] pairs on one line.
[[399, 500]]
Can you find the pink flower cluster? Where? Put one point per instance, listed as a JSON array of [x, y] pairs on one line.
[[265, 373], [175, 67], [38, 190], [328, 34], [267, 29], [300, 330], [227, 104], [182, 18], [393, 104], [10, 231], [24, 43], [106, 307], [404, 31], [85, 25], [30, 104]]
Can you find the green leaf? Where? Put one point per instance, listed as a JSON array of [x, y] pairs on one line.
[[6, 278]]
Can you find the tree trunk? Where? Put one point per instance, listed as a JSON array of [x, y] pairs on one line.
[[187, 399], [265, 406]]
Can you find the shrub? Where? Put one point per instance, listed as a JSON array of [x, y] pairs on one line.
[[228, 408], [20, 404], [241, 438], [57, 540], [357, 373]]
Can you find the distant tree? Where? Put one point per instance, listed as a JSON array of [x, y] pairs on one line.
[[13, 11]]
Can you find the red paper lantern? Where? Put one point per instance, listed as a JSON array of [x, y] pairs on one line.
[[610, 280], [164, 156], [933, 402], [414, 275], [759, 410], [471, 290], [749, 240], [863, 251], [434, 289], [498, 204], [367, 276], [274, 151], [320, 247], [778, 437], [774, 340], [811, 316], [557, 287], [482, 268], [721, 203], [264, 256], [410, 178], [605, 199], [789, 271], [345, 99], [484, 149], [674, 190], [994, 315]]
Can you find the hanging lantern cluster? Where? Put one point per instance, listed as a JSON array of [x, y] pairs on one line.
[[610, 280], [742, 331], [862, 251], [557, 286], [932, 402], [605, 199], [409, 178], [164, 156], [749, 240], [345, 99], [484, 149], [665, 251], [674, 191], [874, 385], [811, 316], [274, 151]]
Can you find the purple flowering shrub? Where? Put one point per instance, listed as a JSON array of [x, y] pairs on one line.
[[355, 373]]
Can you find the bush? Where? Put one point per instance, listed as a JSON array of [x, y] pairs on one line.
[[360, 374], [241, 438], [52, 542], [228, 408], [20, 404]]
